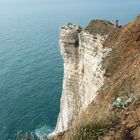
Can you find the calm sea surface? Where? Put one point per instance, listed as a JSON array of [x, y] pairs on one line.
[[31, 68]]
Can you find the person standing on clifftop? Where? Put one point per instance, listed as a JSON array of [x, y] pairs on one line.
[[116, 24]]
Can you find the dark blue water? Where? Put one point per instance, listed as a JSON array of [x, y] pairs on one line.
[[31, 68]]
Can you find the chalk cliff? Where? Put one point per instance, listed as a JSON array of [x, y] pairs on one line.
[[97, 62], [83, 54]]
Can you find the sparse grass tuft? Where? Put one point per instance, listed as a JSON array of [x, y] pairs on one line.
[[124, 89], [114, 120], [111, 63], [95, 130]]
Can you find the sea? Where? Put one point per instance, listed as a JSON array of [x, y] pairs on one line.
[[31, 66]]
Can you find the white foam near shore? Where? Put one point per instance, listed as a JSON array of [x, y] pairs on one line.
[[51, 135], [44, 132]]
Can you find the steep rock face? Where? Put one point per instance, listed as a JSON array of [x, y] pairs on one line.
[[120, 74], [83, 52], [69, 43]]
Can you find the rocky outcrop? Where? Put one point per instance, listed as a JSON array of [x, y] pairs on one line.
[[69, 43], [83, 52], [101, 87]]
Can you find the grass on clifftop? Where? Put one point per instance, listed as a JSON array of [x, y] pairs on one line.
[[95, 130], [102, 27]]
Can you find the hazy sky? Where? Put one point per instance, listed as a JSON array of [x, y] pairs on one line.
[[67, 3], [56, 5], [97, 8]]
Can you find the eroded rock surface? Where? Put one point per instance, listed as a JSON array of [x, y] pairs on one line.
[[101, 65], [83, 52]]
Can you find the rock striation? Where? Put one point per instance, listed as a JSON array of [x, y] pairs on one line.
[[83, 52], [101, 85]]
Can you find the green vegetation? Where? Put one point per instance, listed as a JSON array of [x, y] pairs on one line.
[[95, 130], [101, 27], [114, 120]]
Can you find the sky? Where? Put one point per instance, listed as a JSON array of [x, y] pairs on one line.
[[67, 3], [71, 2], [109, 9]]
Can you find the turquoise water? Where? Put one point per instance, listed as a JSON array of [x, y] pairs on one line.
[[30, 75], [31, 68]]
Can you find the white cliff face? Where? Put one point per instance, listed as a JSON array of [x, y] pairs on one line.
[[91, 74], [83, 54]]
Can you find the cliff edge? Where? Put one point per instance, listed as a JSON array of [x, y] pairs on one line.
[[101, 86]]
